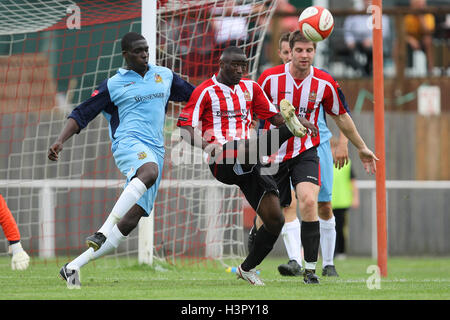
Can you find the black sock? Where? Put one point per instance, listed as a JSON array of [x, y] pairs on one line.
[[310, 234], [264, 241]]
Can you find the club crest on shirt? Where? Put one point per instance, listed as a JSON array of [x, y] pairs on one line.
[[94, 93], [142, 155], [247, 96], [312, 96], [158, 78]]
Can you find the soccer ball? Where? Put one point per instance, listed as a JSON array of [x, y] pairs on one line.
[[316, 23]]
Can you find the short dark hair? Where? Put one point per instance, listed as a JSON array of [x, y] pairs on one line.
[[297, 36], [129, 38], [284, 38], [232, 49]]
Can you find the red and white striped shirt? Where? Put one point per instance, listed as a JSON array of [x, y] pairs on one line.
[[225, 113], [306, 95]]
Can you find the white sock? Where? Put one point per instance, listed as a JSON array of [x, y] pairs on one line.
[[292, 242], [81, 260], [130, 195], [327, 240], [111, 243]]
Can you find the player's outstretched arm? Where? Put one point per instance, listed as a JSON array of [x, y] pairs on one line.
[[348, 128], [68, 131]]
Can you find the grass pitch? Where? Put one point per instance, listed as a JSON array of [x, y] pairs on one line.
[[408, 279]]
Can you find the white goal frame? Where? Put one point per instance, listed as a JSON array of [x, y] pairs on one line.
[[148, 30]]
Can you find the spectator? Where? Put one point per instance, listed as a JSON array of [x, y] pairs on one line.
[[288, 23], [231, 22], [419, 30], [236, 23], [358, 40]]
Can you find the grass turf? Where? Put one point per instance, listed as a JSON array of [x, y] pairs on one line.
[[408, 279]]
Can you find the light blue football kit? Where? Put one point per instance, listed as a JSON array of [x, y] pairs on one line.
[[135, 108], [326, 159]]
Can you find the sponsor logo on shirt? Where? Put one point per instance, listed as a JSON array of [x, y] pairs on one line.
[[302, 110], [232, 114], [142, 155], [150, 96]]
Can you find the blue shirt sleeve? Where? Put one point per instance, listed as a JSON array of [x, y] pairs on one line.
[[344, 102], [89, 109], [181, 90]]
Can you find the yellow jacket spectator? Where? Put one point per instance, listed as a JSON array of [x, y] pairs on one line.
[[345, 195]]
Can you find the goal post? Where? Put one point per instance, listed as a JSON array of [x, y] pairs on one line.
[[378, 89], [148, 30]]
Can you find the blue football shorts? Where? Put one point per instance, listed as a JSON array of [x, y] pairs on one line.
[[326, 171], [130, 155]]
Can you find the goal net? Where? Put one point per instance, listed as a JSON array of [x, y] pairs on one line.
[[53, 54]]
